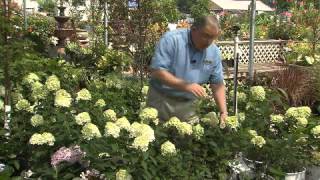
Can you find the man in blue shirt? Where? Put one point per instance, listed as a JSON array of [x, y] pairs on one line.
[[183, 60]]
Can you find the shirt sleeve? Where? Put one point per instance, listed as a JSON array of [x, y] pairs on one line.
[[217, 74], [164, 54]]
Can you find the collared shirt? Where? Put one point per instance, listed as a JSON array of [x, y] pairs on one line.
[[176, 54]]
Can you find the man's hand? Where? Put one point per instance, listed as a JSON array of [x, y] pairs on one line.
[[220, 98], [195, 89], [223, 117]]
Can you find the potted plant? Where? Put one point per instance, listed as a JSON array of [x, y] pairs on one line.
[[228, 59]]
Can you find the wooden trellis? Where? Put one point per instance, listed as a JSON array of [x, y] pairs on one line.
[[268, 51]]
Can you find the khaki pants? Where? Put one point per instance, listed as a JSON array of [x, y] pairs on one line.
[[169, 107]]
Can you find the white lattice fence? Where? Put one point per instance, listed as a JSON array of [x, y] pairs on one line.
[[264, 51]]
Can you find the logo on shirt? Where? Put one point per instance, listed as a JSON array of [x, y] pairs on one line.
[[207, 62]]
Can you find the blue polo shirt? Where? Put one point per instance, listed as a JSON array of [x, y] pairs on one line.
[[176, 54]]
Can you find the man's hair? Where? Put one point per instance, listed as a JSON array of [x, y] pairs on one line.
[[204, 21]]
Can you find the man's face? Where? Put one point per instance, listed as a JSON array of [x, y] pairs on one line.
[[203, 37]]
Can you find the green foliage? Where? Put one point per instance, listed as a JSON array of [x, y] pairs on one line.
[[185, 5], [200, 8], [114, 61], [40, 30], [281, 30], [168, 11], [47, 6]]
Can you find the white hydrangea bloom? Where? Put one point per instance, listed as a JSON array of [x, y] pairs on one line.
[[141, 143], [242, 117], [31, 78], [258, 141], [316, 156], [23, 105], [253, 133], [53, 83], [90, 131], [110, 115], [316, 131], [41, 139], [242, 97], [123, 174], [276, 118], [232, 122], [184, 128], [135, 129], [138, 129], [83, 118], [302, 122], [258, 93], [48, 138], [173, 122], [36, 120], [36, 139], [123, 123], [100, 103], [1, 104], [211, 119], [198, 131], [62, 98], [38, 91], [168, 149], [103, 155], [147, 131], [148, 114], [145, 90], [298, 112], [83, 94], [111, 129]]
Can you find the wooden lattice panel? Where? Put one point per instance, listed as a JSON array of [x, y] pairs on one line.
[[264, 51]]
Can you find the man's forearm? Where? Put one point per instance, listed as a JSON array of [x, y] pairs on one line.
[[169, 79], [219, 94]]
